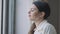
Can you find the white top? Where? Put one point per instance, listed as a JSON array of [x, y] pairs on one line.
[[45, 28]]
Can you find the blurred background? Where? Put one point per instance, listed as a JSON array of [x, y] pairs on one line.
[[14, 15]]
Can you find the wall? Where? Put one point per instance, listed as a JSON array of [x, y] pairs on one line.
[[54, 5], [0, 15], [22, 21], [59, 16]]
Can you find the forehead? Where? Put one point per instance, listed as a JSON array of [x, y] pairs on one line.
[[33, 6]]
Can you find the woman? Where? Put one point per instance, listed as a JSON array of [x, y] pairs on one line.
[[39, 13]]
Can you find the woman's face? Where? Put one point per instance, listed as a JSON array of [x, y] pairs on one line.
[[33, 12]]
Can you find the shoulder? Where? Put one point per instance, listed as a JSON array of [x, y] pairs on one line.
[[50, 28], [46, 24], [46, 28]]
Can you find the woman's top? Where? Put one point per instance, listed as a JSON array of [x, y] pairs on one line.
[[45, 28]]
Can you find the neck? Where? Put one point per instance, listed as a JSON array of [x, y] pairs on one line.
[[37, 22]]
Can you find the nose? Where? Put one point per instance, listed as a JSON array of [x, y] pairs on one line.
[[29, 12]]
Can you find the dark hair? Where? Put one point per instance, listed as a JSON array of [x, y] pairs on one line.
[[43, 6]]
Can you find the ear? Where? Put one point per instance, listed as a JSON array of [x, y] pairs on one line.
[[42, 14]]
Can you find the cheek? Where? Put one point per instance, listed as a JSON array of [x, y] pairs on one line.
[[35, 14]]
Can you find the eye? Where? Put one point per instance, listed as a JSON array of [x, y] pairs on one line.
[[32, 10]]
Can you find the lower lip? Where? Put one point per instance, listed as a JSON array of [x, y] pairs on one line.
[[29, 15]]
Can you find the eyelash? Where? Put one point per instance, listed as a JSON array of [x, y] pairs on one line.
[[32, 10]]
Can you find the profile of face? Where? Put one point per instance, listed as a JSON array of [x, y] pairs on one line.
[[34, 13]]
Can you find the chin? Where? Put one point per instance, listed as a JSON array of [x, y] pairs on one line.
[[32, 19]]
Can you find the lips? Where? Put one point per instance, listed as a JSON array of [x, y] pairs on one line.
[[29, 15]]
